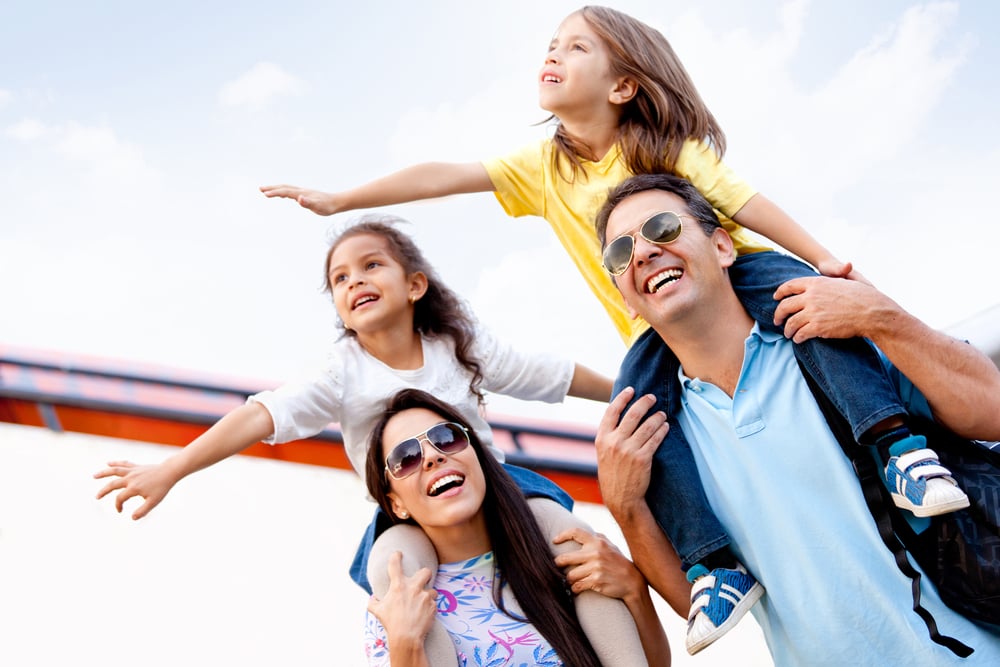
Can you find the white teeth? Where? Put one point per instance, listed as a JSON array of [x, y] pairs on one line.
[[447, 479], [364, 299], [662, 278], [550, 79]]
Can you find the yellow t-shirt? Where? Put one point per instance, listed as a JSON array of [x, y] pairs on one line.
[[527, 183]]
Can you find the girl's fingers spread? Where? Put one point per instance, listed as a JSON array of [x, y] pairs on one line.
[[111, 486]]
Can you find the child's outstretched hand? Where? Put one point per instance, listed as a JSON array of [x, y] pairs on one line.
[[150, 482], [320, 203], [834, 268]]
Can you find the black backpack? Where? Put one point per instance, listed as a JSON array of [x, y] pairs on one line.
[[960, 551]]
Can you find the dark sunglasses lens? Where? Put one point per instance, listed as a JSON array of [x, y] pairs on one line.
[[405, 458], [662, 228], [618, 254], [448, 438]]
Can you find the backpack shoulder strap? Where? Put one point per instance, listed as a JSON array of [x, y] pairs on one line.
[[876, 497]]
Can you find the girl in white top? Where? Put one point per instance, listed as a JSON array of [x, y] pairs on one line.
[[402, 328]]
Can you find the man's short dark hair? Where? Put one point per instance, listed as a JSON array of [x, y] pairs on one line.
[[697, 205]]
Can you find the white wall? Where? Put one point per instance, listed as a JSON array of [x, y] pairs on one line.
[[242, 564]]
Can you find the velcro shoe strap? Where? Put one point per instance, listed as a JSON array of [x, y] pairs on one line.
[[922, 463]]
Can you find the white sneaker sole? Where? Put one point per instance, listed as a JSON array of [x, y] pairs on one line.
[[739, 611], [924, 511]]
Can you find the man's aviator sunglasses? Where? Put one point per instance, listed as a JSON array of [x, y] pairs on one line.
[[406, 457], [660, 228]]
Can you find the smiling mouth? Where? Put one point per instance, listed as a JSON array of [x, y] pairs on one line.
[[551, 78], [363, 300], [662, 279], [444, 484]]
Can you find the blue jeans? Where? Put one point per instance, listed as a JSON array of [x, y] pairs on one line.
[[532, 484], [848, 371]]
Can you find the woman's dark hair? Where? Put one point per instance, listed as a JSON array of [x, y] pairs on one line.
[[667, 108], [439, 311], [522, 556]]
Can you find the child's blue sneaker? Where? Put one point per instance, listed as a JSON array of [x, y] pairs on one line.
[[919, 483], [719, 599]]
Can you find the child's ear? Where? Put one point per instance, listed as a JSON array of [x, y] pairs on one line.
[[624, 90], [418, 286]]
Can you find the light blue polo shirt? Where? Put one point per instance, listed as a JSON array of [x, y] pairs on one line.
[[789, 499]]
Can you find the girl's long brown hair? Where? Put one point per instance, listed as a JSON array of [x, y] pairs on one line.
[[521, 554], [666, 110], [440, 311]]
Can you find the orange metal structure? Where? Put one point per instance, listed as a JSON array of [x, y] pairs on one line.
[[148, 403]]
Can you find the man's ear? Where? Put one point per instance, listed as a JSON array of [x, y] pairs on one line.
[[724, 247], [632, 313], [418, 286], [624, 90]]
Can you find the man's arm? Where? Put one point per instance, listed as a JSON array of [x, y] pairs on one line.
[[960, 383], [624, 455]]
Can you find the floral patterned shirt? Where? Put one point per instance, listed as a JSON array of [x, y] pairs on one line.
[[484, 636]]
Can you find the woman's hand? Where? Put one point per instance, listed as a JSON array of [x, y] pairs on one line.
[[598, 565], [406, 612]]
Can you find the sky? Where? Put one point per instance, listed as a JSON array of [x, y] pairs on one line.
[[134, 135]]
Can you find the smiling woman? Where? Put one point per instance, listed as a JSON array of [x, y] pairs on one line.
[[498, 590]]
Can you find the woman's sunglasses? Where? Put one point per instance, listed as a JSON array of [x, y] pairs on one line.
[[406, 457], [661, 228]]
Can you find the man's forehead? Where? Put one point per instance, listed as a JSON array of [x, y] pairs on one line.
[[637, 208]]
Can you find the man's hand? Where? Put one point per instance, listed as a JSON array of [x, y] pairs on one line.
[[320, 203], [831, 308], [625, 451]]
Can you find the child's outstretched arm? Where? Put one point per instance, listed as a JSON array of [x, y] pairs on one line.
[[763, 216], [590, 384], [232, 434], [421, 181]]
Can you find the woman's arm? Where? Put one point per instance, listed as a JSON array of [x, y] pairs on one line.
[[600, 567], [590, 384], [422, 181], [239, 429]]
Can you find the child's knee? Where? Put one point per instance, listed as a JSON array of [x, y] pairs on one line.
[[553, 519], [412, 542]]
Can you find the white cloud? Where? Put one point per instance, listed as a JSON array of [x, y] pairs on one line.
[[27, 130], [258, 85], [5, 97]]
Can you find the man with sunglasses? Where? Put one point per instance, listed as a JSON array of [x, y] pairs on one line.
[[772, 470]]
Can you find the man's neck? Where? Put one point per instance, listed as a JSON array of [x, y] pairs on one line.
[[710, 345]]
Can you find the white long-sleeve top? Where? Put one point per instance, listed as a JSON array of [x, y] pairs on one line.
[[353, 389]]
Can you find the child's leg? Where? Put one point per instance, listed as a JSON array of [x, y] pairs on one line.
[[851, 374], [677, 500], [607, 621], [417, 553], [675, 495]]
